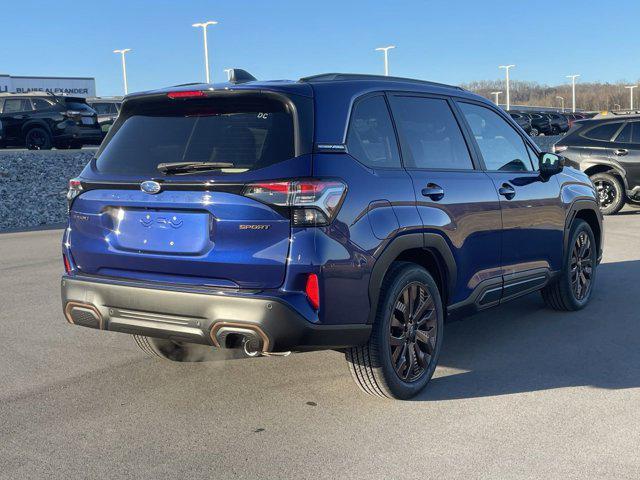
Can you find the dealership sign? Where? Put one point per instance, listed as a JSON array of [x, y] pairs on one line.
[[74, 86]]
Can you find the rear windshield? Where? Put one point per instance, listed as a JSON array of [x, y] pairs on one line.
[[250, 133]]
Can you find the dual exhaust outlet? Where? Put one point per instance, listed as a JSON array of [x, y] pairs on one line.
[[248, 337]]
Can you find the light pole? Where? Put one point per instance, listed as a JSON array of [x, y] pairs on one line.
[[386, 57], [631, 87], [206, 49], [124, 67], [228, 72], [497, 97], [562, 100], [506, 69], [573, 91]]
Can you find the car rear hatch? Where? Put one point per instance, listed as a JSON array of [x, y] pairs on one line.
[[192, 224], [79, 111]]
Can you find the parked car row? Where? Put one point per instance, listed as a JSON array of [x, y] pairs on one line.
[[545, 123], [41, 120]]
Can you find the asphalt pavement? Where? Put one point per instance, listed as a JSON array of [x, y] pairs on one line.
[[521, 392]]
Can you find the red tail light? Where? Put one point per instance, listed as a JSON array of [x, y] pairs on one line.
[[186, 94], [313, 202], [312, 289], [67, 265]]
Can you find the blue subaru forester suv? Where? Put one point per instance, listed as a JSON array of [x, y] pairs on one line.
[[340, 211]]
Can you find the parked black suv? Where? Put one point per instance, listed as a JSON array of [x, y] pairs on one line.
[[40, 121], [608, 150], [523, 121], [540, 125], [559, 123]]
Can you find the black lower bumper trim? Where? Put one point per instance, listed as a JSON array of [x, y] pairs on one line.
[[189, 316]]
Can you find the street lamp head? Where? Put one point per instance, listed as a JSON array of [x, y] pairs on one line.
[[124, 50], [496, 93], [382, 49], [572, 76], [506, 66], [630, 86], [205, 24]]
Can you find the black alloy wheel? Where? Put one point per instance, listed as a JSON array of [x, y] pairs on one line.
[[581, 267], [413, 332]]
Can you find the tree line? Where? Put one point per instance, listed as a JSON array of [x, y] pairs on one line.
[[595, 96]]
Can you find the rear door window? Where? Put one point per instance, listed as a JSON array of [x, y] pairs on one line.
[[371, 139], [625, 134], [41, 103], [12, 105], [502, 148], [250, 133], [430, 136], [603, 132]]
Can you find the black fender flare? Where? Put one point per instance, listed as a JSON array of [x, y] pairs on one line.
[[577, 206], [612, 166], [427, 241]]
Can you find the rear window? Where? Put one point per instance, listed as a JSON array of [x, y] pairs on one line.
[[250, 133], [78, 106], [603, 132]]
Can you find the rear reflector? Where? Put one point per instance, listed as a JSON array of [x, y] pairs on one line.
[[312, 289], [67, 265], [186, 94]]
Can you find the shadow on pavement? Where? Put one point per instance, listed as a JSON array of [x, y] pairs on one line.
[[525, 347]]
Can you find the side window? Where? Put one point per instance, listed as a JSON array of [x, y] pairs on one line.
[[40, 103], [625, 134], [533, 156], [12, 105], [371, 138], [603, 132], [501, 146], [635, 136], [430, 136]]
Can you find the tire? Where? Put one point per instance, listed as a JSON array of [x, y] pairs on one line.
[[38, 139], [561, 293], [158, 348], [610, 192], [371, 365]]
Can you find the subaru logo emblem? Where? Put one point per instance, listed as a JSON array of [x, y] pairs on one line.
[[150, 187]]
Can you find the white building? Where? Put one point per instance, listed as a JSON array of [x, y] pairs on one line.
[[74, 86]]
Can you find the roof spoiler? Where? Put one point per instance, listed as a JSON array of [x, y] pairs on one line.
[[237, 75]]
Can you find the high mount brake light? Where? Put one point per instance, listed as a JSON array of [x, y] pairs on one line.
[[313, 202], [186, 94]]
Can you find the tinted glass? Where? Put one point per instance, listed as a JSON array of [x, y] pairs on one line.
[[501, 146], [635, 136], [40, 103], [371, 138], [249, 133], [625, 135], [603, 132], [533, 156], [429, 134], [102, 108], [16, 105]]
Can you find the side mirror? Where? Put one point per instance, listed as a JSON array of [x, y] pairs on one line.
[[550, 164]]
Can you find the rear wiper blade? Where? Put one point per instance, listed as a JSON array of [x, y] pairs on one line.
[[177, 167]]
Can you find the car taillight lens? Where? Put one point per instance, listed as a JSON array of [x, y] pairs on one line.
[[312, 202], [312, 290], [75, 189], [67, 265]]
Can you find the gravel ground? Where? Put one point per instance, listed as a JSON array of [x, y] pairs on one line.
[[33, 184]]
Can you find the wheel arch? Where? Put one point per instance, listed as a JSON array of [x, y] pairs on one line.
[[609, 168], [31, 124], [428, 250], [588, 211]]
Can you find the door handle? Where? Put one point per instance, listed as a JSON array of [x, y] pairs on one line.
[[621, 152], [433, 191], [507, 191]]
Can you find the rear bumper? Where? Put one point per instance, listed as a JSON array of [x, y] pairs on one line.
[[88, 135], [196, 316]]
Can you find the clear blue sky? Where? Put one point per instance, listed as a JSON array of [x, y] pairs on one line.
[[448, 41]]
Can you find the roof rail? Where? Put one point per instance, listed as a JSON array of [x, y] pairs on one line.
[[329, 77]]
